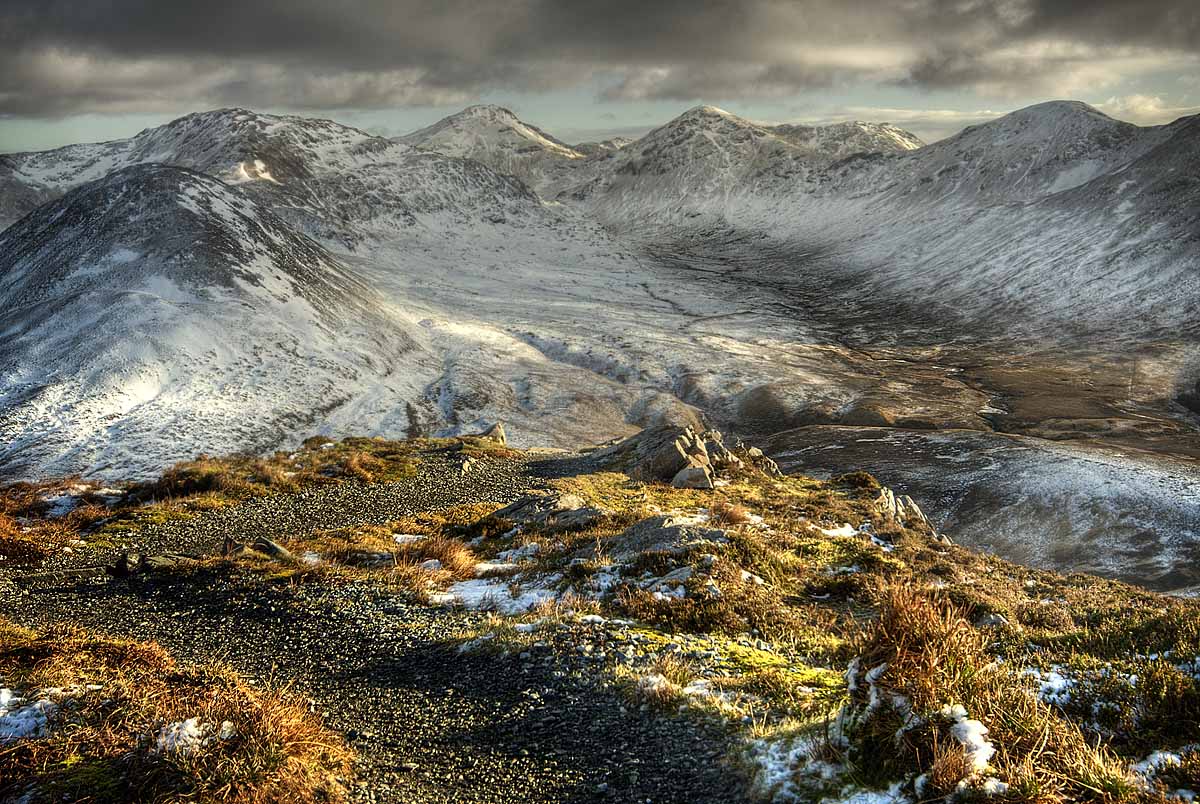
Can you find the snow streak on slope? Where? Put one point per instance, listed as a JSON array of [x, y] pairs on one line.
[[155, 313]]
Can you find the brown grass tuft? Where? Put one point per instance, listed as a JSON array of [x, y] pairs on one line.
[[724, 514], [102, 743], [932, 657]]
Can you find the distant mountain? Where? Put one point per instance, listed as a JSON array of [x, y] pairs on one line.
[[1055, 220], [602, 148], [707, 152], [157, 312], [494, 136], [334, 181], [484, 131], [1055, 216]]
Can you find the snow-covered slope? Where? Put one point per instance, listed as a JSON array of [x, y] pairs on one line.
[[487, 131], [321, 174], [499, 139], [602, 147], [710, 155], [1054, 221], [840, 140], [156, 312]]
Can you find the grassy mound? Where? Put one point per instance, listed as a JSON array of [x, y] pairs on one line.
[[101, 720]]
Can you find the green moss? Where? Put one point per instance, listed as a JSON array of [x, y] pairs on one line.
[[134, 519], [93, 779]]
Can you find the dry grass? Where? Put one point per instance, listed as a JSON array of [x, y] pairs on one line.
[[28, 533], [724, 514], [319, 461], [926, 655], [117, 696]]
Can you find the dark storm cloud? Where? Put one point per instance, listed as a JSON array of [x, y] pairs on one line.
[[1153, 23], [64, 56]]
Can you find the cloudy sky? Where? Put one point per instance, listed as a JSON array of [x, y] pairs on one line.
[[81, 70]]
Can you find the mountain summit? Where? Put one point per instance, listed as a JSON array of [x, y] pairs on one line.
[[496, 137]]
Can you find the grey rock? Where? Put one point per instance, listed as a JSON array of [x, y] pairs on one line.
[[552, 512], [495, 433], [260, 547], [693, 477], [662, 534]]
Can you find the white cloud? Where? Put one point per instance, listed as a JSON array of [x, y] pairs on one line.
[[1145, 110]]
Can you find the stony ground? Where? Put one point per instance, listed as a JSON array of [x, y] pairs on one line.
[[430, 724]]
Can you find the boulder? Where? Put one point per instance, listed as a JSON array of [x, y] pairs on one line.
[[553, 512], [662, 533], [693, 477], [495, 433], [259, 547], [131, 564]]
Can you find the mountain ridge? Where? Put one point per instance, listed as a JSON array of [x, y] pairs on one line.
[[158, 307]]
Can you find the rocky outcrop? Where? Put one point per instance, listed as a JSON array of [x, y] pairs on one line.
[[551, 512], [682, 457], [904, 512], [495, 433], [673, 534]]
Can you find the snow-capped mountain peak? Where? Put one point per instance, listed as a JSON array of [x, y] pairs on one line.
[[496, 137], [483, 130]]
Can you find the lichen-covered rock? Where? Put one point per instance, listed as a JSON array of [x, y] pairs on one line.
[[666, 534]]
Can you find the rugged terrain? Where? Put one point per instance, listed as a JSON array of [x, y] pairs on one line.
[[663, 618], [1033, 276]]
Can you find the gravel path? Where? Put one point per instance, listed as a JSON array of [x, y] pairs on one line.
[[429, 724], [437, 484]]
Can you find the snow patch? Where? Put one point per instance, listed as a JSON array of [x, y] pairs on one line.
[[22, 719]]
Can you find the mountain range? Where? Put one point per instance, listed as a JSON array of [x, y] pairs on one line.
[[234, 280]]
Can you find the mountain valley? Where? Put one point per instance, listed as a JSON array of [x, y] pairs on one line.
[[1029, 282]]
